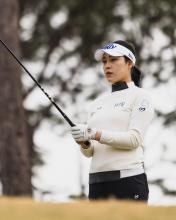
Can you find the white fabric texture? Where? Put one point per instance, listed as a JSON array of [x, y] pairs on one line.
[[123, 117]]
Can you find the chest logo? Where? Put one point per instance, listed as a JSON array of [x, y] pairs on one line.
[[119, 104]]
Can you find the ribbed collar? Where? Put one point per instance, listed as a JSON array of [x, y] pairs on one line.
[[121, 86]]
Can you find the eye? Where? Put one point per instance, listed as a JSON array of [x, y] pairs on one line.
[[114, 58], [104, 61]]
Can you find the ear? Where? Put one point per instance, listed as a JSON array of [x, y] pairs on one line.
[[130, 64]]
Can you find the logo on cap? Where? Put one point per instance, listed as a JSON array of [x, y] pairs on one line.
[[130, 56], [110, 46]]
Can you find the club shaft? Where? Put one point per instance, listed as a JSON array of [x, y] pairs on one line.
[[87, 143], [47, 95]]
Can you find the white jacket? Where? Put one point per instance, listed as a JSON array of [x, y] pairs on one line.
[[123, 117]]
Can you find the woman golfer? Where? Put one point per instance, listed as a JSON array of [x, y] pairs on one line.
[[116, 127]]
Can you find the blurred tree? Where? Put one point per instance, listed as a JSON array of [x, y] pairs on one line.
[[62, 35], [15, 172], [62, 30]]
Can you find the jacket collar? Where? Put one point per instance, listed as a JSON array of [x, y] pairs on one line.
[[121, 86]]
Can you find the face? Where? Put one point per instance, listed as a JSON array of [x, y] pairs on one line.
[[116, 68]]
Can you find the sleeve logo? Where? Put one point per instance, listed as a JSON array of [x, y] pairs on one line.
[[144, 105], [141, 109]]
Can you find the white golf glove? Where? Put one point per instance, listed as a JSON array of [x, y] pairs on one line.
[[81, 133]]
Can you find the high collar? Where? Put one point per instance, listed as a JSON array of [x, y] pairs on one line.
[[121, 86]]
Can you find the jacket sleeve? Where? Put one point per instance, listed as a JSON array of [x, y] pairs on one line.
[[141, 117]]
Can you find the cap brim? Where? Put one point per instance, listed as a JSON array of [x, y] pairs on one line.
[[99, 53]]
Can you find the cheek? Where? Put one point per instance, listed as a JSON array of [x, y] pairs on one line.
[[118, 68]]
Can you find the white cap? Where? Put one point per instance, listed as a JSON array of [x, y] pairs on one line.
[[116, 50]]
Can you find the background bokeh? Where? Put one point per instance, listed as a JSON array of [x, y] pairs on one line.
[[56, 41]]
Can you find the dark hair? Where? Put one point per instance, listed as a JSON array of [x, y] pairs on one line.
[[135, 72]]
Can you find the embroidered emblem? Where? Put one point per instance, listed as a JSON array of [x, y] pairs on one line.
[[130, 56], [136, 196], [144, 105], [110, 46], [120, 104], [142, 109]]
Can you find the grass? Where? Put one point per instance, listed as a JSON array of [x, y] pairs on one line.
[[27, 209]]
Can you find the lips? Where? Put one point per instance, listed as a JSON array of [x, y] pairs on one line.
[[108, 73]]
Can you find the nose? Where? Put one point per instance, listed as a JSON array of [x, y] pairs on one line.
[[107, 64]]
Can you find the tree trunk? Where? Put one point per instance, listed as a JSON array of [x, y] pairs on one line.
[[15, 165]]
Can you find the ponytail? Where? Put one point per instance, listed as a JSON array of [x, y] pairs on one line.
[[136, 76]]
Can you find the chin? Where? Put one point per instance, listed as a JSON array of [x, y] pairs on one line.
[[112, 81]]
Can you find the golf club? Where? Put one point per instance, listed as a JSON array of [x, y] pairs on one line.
[[47, 95]]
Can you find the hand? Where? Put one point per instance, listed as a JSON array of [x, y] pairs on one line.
[[82, 133]]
